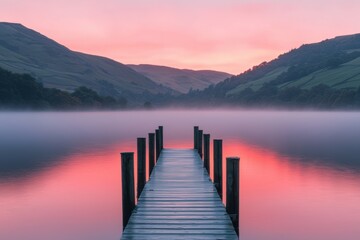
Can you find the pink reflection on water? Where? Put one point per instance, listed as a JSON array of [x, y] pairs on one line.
[[78, 199], [281, 197], [286, 198]]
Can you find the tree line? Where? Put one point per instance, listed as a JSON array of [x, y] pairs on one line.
[[22, 91], [318, 97]]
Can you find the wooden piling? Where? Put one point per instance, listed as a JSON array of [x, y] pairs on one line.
[[196, 132], [128, 188], [157, 143], [232, 190], [218, 165], [207, 152], [200, 143], [178, 202], [161, 132], [141, 156], [151, 152]]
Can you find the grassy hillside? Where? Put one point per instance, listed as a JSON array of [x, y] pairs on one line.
[[324, 74], [181, 80], [329, 62], [346, 75], [23, 50], [319, 75], [258, 83]]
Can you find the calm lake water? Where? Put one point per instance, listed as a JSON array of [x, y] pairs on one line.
[[60, 172]]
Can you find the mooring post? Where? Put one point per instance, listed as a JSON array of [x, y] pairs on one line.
[[157, 143], [218, 165], [207, 152], [232, 190], [161, 132], [128, 188], [141, 156], [151, 152], [200, 143], [196, 132]]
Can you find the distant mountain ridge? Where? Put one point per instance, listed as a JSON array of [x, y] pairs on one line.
[[324, 74], [181, 80], [23, 50], [340, 54]]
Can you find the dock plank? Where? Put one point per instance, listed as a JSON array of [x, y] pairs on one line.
[[179, 202]]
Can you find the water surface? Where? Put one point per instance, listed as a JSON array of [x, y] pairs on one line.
[[60, 172]]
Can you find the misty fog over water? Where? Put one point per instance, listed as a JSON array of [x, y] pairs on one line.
[[55, 165]]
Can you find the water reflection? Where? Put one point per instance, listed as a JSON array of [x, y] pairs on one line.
[[79, 199], [286, 199], [60, 172]]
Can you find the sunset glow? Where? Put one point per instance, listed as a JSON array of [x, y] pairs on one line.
[[224, 35], [88, 184]]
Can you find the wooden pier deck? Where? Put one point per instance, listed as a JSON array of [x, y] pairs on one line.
[[179, 202]]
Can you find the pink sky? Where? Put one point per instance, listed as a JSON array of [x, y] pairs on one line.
[[225, 35]]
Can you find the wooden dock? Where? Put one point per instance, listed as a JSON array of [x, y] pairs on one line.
[[179, 202]]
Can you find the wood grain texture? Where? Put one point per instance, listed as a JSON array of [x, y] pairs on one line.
[[128, 187], [151, 147], [179, 202]]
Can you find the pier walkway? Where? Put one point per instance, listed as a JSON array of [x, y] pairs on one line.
[[179, 202]]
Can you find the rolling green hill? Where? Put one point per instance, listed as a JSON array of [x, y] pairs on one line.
[[346, 75], [324, 74], [181, 80], [23, 50], [258, 83]]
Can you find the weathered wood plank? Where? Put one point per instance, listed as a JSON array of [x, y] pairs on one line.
[[179, 202], [181, 231], [128, 187], [177, 236], [165, 209], [151, 147], [179, 222]]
